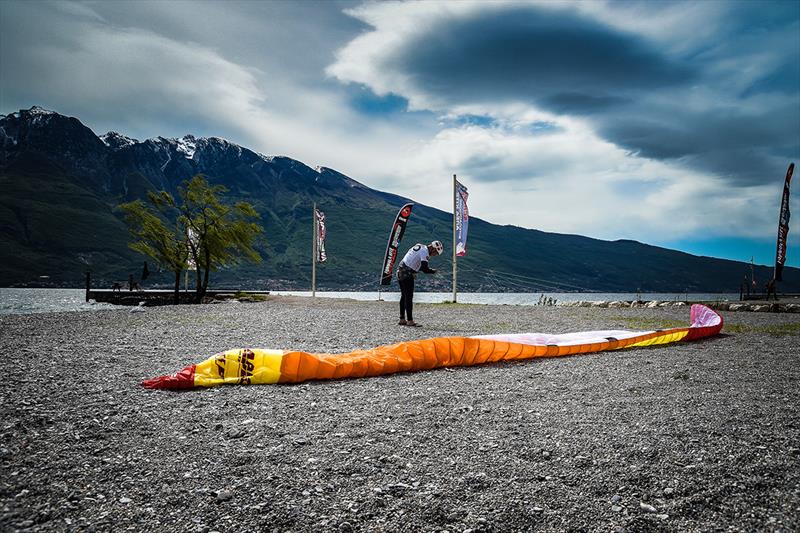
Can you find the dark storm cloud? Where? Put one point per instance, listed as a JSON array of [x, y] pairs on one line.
[[723, 99], [746, 147], [556, 59]]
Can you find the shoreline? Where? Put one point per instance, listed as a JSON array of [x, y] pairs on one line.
[[690, 436]]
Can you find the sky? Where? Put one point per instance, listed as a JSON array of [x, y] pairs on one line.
[[670, 123]]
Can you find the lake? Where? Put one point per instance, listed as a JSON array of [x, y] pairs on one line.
[[24, 301]]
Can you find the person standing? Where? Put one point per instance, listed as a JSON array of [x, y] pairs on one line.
[[415, 260]]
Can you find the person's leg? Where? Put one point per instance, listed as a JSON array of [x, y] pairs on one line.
[[404, 286], [410, 301]]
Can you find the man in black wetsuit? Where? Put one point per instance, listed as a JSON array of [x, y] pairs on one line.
[[415, 260]]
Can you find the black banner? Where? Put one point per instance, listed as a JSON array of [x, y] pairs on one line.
[[396, 235], [783, 226]]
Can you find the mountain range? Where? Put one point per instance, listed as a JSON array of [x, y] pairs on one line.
[[62, 184]]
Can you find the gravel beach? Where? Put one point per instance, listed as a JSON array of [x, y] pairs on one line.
[[688, 437]]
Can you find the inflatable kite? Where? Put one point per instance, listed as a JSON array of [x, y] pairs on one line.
[[256, 366]]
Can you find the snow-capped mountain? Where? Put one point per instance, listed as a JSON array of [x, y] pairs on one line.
[[115, 140], [113, 161], [61, 185]]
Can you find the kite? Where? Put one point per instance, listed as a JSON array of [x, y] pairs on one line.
[[257, 366]]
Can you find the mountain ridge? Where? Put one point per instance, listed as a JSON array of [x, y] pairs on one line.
[[63, 184]]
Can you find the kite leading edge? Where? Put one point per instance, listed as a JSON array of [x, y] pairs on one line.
[[257, 366]]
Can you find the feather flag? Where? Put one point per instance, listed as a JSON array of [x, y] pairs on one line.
[[395, 236], [783, 227], [321, 255], [462, 219]]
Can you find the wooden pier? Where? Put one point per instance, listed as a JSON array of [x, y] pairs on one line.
[[161, 297], [150, 297]]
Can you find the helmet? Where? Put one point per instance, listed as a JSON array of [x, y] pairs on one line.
[[437, 245]]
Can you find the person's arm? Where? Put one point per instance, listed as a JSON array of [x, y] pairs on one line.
[[425, 268]]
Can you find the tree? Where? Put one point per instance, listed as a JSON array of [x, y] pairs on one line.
[[211, 233], [218, 235], [156, 237]]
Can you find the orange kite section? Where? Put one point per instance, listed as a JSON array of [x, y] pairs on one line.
[[259, 366]]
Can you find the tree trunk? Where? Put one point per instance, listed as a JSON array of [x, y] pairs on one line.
[[198, 286], [177, 297], [208, 268]]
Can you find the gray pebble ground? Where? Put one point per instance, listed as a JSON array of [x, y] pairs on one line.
[[689, 437]]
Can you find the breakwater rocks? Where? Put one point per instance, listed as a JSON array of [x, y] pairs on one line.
[[762, 307]]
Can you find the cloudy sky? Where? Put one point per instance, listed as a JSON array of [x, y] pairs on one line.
[[671, 123]]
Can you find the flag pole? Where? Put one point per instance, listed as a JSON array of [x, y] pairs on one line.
[[455, 192], [314, 252]]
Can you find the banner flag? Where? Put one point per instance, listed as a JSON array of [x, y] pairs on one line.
[[396, 235], [783, 227], [462, 219], [321, 255]]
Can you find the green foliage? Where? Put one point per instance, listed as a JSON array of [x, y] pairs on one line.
[[200, 226], [218, 235], [155, 237]]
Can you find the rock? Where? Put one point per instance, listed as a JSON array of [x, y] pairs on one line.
[[345, 527], [662, 516], [652, 304], [616, 498], [616, 508], [236, 433], [616, 304], [546, 454], [646, 507], [224, 495], [760, 308], [125, 499], [668, 492]]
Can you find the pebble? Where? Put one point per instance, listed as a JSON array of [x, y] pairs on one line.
[[646, 507], [38, 449], [125, 499]]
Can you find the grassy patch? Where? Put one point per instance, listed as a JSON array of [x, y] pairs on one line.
[[792, 328], [248, 297], [778, 330], [649, 324], [451, 302]]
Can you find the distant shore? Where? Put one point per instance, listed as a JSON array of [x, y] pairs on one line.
[[691, 436]]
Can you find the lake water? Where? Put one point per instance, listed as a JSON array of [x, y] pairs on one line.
[[23, 301]]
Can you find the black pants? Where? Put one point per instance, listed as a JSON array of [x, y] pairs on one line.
[[406, 297]]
